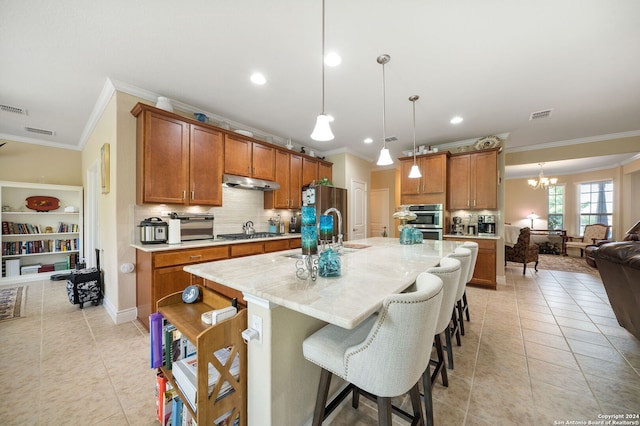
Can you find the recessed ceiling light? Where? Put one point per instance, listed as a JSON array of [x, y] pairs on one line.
[[332, 59], [368, 140], [257, 78], [456, 120]]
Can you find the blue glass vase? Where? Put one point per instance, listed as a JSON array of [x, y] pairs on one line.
[[309, 236], [329, 264], [406, 235]]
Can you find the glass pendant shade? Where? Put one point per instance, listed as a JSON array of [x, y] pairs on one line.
[[385, 157], [322, 131], [415, 172]]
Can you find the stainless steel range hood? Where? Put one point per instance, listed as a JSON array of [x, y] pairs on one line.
[[249, 183]]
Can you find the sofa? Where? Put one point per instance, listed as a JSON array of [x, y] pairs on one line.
[[619, 267]]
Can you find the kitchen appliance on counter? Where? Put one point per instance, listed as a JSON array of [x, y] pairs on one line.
[[325, 197], [153, 230], [429, 220], [457, 228], [295, 222], [486, 225], [195, 226]]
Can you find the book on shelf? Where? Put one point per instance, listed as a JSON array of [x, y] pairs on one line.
[[185, 373], [161, 387], [12, 267], [155, 336], [176, 411]]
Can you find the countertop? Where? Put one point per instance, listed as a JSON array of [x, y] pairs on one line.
[[382, 266], [205, 243], [473, 237]]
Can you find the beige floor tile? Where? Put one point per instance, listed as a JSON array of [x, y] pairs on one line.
[[617, 368], [546, 339], [506, 404], [550, 355], [562, 377], [623, 396], [573, 323], [556, 404], [595, 338], [541, 326]]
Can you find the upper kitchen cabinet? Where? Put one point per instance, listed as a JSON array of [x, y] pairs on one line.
[[244, 157], [431, 187], [473, 180], [314, 170], [191, 152], [289, 176]]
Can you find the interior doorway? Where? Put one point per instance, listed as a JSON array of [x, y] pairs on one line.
[[358, 210], [91, 212], [379, 213]]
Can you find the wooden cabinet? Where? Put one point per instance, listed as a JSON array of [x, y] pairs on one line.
[[208, 339], [325, 170], [309, 170], [192, 153], [430, 188], [473, 180], [159, 274], [313, 169], [484, 274], [51, 239], [289, 176], [247, 158]]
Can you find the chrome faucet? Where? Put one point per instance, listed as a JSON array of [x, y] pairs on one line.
[[337, 212]]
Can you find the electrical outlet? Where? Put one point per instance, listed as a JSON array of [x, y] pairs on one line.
[[256, 324]]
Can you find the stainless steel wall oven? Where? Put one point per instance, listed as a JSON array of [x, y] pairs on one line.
[[429, 220]]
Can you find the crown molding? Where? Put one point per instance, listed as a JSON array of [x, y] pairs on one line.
[[600, 138]]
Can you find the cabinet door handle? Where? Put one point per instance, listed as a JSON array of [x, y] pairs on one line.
[[184, 194], [254, 171], [193, 195], [197, 256]]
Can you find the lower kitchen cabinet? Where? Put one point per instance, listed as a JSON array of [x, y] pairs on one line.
[[159, 274], [484, 275]]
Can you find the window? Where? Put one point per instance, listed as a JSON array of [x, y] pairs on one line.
[[596, 204], [556, 207]]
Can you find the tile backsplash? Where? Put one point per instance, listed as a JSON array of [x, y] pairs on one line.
[[238, 206]]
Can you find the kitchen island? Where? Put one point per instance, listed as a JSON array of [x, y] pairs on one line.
[[281, 384]]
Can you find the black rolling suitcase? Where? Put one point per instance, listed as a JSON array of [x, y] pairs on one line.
[[85, 285]]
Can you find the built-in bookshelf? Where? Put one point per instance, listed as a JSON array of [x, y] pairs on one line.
[[40, 242]]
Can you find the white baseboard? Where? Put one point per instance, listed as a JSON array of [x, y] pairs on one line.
[[119, 317]]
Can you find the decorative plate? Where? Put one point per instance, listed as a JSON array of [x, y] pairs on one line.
[[41, 203], [488, 142], [190, 294]]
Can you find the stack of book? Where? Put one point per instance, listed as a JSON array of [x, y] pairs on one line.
[[185, 373]]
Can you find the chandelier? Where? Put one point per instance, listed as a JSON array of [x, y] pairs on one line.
[[542, 182]]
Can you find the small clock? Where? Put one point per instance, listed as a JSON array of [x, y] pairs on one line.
[[190, 294]]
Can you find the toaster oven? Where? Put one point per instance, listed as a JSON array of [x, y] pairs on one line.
[[195, 226]]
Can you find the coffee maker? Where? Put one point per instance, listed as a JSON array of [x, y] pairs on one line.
[[294, 223], [457, 228], [487, 224]]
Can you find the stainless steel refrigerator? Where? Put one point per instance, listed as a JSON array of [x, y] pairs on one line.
[[324, 197]]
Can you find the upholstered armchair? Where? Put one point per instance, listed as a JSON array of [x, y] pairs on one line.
[[592, 234], [523, 251]]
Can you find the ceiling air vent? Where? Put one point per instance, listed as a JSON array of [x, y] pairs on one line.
[[390, 139], [540, 114], [13, 110], [40, 131]]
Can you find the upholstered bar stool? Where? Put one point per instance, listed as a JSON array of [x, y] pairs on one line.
[[383, 357], [448, 271], [473, 246], [464, 256]]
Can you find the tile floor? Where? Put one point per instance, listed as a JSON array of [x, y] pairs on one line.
[[545, 348]]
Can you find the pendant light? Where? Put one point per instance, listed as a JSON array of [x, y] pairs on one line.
[[415, 170], [322, 130], [385, 158]]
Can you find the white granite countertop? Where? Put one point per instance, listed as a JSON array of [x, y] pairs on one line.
[[369, 274], [205, 243], [474, 237]]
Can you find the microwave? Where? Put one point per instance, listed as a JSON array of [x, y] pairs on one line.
[[428, 216]]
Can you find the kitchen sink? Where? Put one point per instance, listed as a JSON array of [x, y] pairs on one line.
[[301, 256]]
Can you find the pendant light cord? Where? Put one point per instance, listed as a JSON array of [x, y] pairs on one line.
[[384, 110], [414, 129], [323, 56]]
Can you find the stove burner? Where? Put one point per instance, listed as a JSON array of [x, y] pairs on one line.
[[243, 236]]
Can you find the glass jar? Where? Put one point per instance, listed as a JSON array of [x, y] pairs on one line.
[[329, 263], [417, 236], [406, 235]]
